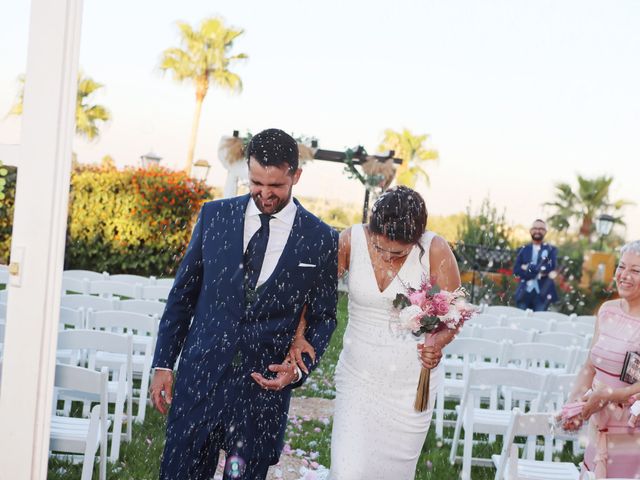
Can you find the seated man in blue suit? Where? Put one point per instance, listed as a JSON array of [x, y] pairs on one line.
[[534, 266], [253, 263]]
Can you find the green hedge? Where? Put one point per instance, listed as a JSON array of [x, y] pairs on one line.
[[6, 213], [133, 220]]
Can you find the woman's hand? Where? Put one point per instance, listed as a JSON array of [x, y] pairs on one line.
[[429, 355], [298, 347], [596, 401], [573, 424]]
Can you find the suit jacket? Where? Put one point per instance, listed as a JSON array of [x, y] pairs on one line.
[[525, 270], [221, 339]]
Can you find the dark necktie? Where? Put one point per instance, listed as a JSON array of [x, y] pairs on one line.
[[254, 255]]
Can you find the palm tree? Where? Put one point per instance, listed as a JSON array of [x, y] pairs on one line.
[[89, 117], [413, 152], [584, 204], [203, 60]]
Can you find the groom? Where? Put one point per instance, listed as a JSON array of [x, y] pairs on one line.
[[252, 264]]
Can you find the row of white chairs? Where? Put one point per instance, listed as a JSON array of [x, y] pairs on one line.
[[578, 338], [109, 288], [509, 311], [534, 322], [494, 417]]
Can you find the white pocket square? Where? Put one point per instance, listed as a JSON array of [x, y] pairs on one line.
[[307, 265]]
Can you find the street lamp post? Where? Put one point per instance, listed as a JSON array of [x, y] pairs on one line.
[[604, 224], [200, 169], [150, 159]]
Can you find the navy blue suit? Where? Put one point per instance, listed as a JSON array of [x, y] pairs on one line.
[[526, 270], [221, 339]]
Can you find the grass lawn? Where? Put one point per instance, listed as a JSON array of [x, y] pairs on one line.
[[309, 439]]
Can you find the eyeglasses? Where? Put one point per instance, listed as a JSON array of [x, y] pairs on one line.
[[392, 253]]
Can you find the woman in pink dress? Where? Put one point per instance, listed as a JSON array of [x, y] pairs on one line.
[[613, 448]]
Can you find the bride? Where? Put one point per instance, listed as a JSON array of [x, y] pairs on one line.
[[377, 434]]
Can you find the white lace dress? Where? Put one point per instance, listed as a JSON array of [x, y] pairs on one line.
[[377, 434]]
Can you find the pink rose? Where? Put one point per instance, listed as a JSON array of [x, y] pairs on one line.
[[418, 297]]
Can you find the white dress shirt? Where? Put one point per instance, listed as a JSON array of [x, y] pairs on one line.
[[279, 230]]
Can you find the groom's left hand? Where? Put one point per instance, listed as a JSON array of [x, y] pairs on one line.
[[285, 374]]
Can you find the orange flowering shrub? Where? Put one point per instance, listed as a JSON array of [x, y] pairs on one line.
[[131, 221]]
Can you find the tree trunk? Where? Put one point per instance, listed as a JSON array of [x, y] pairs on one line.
[[194, 134], [585, 228]]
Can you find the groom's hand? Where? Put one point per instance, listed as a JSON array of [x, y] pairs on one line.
[[162, 390], [286, 373]]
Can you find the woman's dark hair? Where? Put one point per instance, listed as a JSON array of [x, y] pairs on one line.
[[399, 214], [273, 147]]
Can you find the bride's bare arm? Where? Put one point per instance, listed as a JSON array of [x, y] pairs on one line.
[[300, 344], [444, 268]]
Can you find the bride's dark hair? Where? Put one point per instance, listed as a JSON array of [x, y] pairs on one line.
[[399, 214]]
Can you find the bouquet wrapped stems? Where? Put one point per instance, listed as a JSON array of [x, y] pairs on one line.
[[422, 394]]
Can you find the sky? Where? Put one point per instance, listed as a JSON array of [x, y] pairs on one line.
[[516, 95]]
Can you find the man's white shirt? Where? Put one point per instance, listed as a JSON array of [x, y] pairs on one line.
[[279, 230]]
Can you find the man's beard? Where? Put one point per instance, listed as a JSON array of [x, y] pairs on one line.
[[536, 237]]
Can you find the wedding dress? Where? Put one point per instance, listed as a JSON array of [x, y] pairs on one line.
[[377, 434]]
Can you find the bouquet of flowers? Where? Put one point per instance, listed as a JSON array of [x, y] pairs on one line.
[[428, 309]]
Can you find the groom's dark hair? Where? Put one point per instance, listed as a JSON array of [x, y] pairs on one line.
[[273, 147], [399, 214]]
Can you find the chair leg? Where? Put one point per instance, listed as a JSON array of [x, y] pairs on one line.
[[440, 411]]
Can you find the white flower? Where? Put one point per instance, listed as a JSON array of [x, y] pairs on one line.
[[410, 317]]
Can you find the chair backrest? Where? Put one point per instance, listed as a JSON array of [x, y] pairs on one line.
[[119, 322], [4, 275], [581, 357], [515, 335], [4, 295], [146, 307], [155, 292], [529, 323], [503, 310], [132, 279], [562, 339], [88, 274], [577, 328], [89, 302], [482, 377], [476, 350], [72, 317], [75, 285], [3, 309], [83, 380], [588, 319], [559, 388], [83, 339], [486, 320], [1, 334], [164, 282], [560, 317], [541, 356], [522, 425], [108, 288]]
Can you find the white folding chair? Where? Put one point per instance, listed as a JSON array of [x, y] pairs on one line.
[[562, 339], [82, 436], [145, 332], [75, 285], [557, 316], [504, 310], [576, 328], [146, 307], [489, 420], [529, 323], [155, 292], [4, 275], [132, 279], [588, 319], [3, 309], [4, 295], [109, 288], [89, 302], [486, 320], [88, 274], [510, 467], [71, 318], [514, 335], [163, 282], [458, 356], [91, 344]]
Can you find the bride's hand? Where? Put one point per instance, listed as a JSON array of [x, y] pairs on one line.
[[429, 355], [298, 347]]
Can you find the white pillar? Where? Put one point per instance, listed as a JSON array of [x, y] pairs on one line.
[[38, 238]]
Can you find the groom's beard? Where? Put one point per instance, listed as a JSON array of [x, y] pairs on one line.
[[277, 203], [537, 237]]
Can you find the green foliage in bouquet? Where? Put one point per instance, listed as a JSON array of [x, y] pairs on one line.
[[131, 221]]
